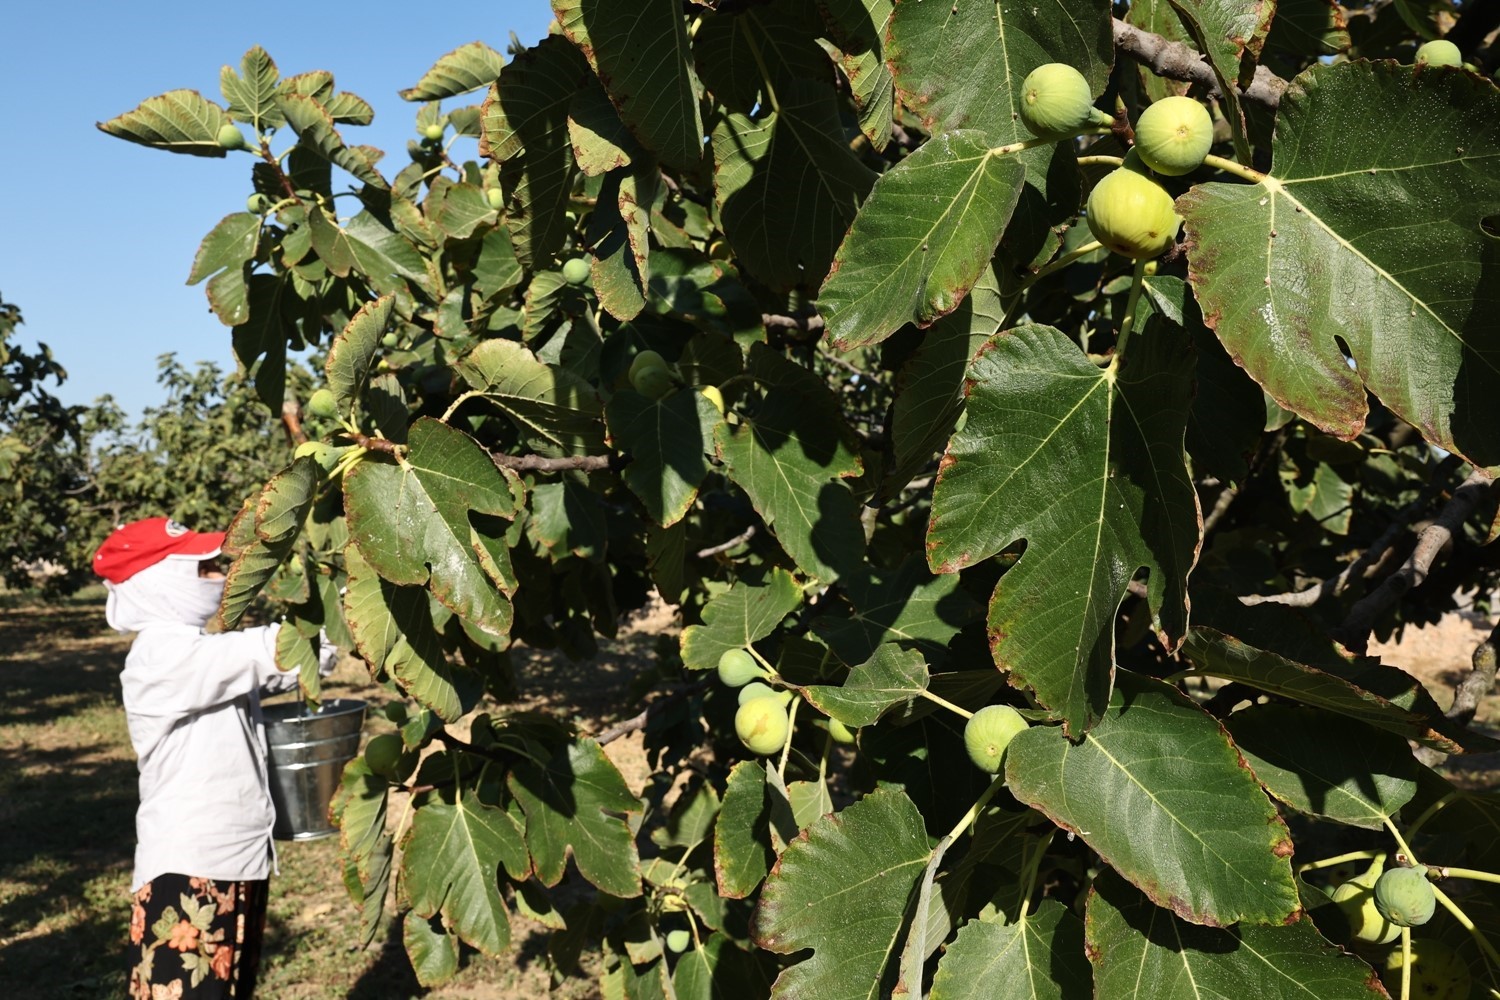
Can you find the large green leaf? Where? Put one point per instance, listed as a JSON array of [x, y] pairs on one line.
[[667, 440], [1086, 464], [961, 65], [907, 606], [601, 142], [364, 245], [842, 890], [1326, 765], [930, 386], [640, 52], [753, 56], [858, 28], [619, 239], [229, 245], [262, 535], [1158, 790], [754, 821], [718, 969], [557, 411], [921, 239], [314, 127], [1366, 237], [448, 862], [179, 121], [791, 456], [889, 678], [745, 613], [411, 519], [1135, 945], [260, 342], [358, 810], [394, 632], [353, 351], [251, 93], [787, 186], [466, 68], [525, 130], [578, 800], [1039, 957]]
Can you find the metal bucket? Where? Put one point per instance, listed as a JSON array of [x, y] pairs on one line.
[[308, 751]]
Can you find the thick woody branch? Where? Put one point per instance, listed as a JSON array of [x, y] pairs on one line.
[[1478, 681], [540, 463], [291, 417], [1354, 633], [1177, 61]]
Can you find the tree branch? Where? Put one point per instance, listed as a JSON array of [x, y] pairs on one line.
[[540, 463], [638, 722], [1177, 61], [807, 323], [1478, 681], [291, 416], [714, 550], [1354, 633]]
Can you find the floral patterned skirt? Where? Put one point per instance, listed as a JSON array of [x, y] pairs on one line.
[[196, 939]]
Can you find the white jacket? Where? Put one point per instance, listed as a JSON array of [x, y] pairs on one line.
[[192, 705]]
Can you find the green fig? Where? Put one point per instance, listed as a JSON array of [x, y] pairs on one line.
[[762, 726], [760, 689], [678, 941], [575, 270], [323, 403], [738, 668], [383, 754], [1056, 101], [989, 732], [649, 375], [1174, 135], [495, 197], [1356, 898], [1439, 52], [257, 203], [1404, 896], [1132, 215], [230, 137], [840, 732], [433, 132]]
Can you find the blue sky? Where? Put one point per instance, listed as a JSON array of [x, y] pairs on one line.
[[97, 234]]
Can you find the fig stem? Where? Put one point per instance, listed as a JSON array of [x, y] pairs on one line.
[[1231, 167], [1127, 324], [1016, 147], [939, 700], [1472, 873], [1431, 811], [1411, 857], [1406, 963], [760, 62], [461, 400], [968, 818], [1033, 867], [1338, 860], [770, 670], [791, 727], [1043, 271], [1101, 161], [1466, 924]]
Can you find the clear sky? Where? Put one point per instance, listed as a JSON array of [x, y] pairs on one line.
[[97, 235]]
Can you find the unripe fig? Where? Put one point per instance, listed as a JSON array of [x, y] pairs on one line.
[[840, 732], [383, 754], [1356, 898], [758, 689], [257, 203], [738, 668], [323, 403], [714, 396], [434, 132], [1056, 100], [395, 711], [1174, 135], [495, 197], [230, 137], [1437, 971], [762, 726], [649, 375], [1132, 215], [989, 732], [678, 941], [575, 270], [1439, 52], [389, 341], [1404, 896]]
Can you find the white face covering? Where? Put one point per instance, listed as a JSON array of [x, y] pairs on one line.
[[168, 593]]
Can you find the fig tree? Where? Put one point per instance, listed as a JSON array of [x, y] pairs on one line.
[[762, 726], [1174, 135], [1356, 898], [230, 136], [1132, 215], [383, 754], [678, 941], [1404, 896], [323, 403], [738, 668], [1056, 101], [1439, 52], [989, 732], [1437, 971], [575, 270]]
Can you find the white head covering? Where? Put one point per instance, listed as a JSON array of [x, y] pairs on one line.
[[169, 592]]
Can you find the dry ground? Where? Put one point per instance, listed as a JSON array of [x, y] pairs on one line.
[[67, 798]]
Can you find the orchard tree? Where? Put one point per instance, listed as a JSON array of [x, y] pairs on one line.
[[1032, 414]]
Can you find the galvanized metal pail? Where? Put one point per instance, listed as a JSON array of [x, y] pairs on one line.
[[308, 751]]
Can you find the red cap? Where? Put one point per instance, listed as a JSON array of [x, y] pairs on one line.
[[142, 544]]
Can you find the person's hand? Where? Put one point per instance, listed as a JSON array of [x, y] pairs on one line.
[[328, 655]]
